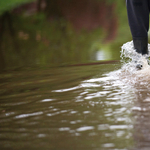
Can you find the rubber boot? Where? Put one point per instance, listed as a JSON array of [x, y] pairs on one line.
[[141, 45]]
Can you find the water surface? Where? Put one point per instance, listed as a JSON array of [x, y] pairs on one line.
[[94, 107], [64, 108]]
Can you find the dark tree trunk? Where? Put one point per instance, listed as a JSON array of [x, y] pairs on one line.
[[2, 26], [8, 21], [6, 26], [39, 3], [52, 9]]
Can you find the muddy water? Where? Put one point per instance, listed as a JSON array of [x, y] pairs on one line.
[[94, 107]]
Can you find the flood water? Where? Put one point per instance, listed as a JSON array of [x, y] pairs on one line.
[[93, 107]]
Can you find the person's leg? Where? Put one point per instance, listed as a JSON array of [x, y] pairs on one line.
[[138, 17]]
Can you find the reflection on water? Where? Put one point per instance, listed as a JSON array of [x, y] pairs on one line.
[[93, 107]]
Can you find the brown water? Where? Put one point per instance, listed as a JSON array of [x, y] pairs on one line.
[[95, 107], [64, 108]]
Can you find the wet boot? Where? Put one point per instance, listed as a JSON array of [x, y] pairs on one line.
[[141, 47]]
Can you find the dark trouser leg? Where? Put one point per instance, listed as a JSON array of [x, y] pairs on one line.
[[138, 16]]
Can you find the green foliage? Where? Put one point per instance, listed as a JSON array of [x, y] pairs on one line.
[[7, 5], [123, 30], [43, 43]]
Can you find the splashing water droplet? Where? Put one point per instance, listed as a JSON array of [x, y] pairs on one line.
[[129, 73], [129, 54], [133, 61]]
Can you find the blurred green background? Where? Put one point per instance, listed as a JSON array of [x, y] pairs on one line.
[[41, 33]]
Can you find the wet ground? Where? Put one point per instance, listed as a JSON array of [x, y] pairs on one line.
[[92, 107]]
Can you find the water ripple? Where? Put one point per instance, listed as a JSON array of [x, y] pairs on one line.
[[29, 115], [81, 129]]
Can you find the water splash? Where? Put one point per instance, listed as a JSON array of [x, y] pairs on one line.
[[128, 73], [140, 83], [128, 77], [128, 53]]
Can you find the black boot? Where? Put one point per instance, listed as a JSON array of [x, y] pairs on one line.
[[141, 45]]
